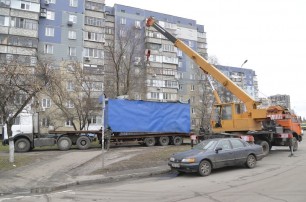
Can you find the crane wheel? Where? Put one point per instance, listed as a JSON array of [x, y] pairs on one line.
[[265, 146]]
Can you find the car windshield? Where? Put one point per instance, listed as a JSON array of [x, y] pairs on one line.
[[206, 145]]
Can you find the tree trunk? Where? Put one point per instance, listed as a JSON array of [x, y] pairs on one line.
[[11, 149]]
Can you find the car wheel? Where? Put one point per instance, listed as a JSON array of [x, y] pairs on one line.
[[22, 145], [164, 141], [149, 141], [204, 168], [251, 161], [64, 143], [83, 142]]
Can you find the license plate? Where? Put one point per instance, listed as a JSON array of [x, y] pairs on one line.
[[175, 165]]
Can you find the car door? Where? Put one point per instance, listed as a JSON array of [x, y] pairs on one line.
[[225, 156], [239, 150]]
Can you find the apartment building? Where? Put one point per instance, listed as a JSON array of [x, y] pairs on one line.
[[19, 31]]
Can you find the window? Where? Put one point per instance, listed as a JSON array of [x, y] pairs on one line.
[[236, 143], [24, 23], [224, 144], [50, 15], [45, 122], [48, 49], [25, 5], [46, 103], [73, 3], [94, 6], [70, 104], [93, 21], [68, 123], [73, 18], [72, 51], [192, 87], [95, 53], [137, 24], [92, 36], [71, 34], [49, 31], [154, 95], [5, 3], [70, 86], [123, 21], [2, 20]]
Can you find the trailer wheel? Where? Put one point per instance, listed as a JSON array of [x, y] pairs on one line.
[[64, 143], [22, 145], [83, 142], [149, 141], [164, 140], [177, 140], [265, 146]]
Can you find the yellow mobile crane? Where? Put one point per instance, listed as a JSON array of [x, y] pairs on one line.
[[237, 118]]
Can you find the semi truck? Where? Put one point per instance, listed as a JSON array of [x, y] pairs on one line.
[[146, 122], [275, 126]]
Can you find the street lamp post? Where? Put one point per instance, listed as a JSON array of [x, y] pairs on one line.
[[243, 63]]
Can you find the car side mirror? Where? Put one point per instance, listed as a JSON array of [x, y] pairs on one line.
[[218, 149]]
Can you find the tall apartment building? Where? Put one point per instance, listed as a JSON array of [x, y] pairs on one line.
[[71, 35], [19, 30]]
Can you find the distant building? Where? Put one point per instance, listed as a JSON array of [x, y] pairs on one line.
[[283, 100], [244, 78]]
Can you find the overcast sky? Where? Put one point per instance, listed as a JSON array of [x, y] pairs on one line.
[[270, 34]]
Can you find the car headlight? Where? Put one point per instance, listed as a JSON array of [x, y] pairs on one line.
[[172, 159], [188, 160]]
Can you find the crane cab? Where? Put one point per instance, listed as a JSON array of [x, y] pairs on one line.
[[232, 117]]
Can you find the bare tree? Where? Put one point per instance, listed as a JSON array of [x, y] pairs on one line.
[[206, 96], [19, 84], [126, 56], [75, 94]]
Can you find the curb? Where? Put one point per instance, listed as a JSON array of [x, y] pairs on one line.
[[99, 180]]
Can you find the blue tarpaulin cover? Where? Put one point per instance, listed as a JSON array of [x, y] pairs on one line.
[[147, 116]]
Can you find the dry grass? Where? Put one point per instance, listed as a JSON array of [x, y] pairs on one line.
[[149, 158]]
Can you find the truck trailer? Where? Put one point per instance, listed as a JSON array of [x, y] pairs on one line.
[[146, 122]]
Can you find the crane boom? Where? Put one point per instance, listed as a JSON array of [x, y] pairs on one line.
[[249, 102]]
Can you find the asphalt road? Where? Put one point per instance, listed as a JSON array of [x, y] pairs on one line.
[[277, 177]]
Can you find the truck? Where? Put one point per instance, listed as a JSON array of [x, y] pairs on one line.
[[244, 119], [146, 122]]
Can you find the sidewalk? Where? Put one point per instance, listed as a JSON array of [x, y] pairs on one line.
[[61, 183], [70, 169]]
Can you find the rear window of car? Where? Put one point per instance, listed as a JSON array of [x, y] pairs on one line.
[[236, 143]]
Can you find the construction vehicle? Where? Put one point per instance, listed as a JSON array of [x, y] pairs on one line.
[[146, 122], [243, 119]]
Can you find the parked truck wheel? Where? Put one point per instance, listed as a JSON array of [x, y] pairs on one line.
[[164, 140], [83, 142], [149, 141], [177, 140], [265, 146], [22, 145], [64, 143]]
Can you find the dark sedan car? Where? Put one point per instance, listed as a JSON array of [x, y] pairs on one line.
[[216, 153]]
